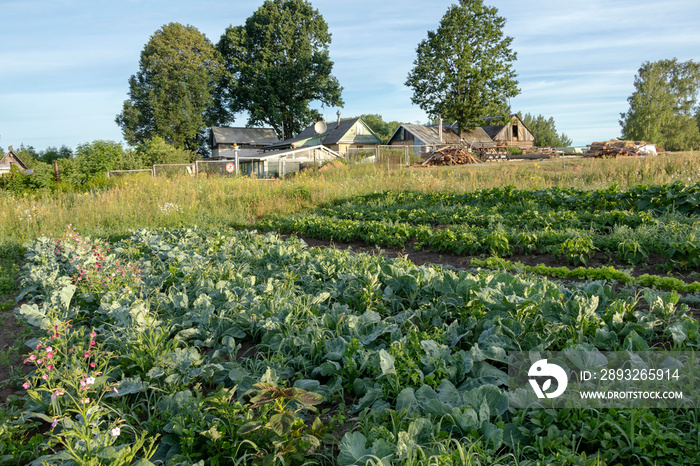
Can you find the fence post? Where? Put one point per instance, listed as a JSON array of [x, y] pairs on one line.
[[405, 149], [153, 171]]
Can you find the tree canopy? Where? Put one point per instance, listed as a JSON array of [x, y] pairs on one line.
[[464, 70], [171, 96], [545, 131], [276, 65], [663, 106], [383, 129]]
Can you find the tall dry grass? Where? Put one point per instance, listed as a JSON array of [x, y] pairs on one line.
[[141, 201]]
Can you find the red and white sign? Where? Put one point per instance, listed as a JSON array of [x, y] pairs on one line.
[[230, 167]]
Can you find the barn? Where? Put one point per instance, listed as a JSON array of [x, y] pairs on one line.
[[426, 138], [514, 133]]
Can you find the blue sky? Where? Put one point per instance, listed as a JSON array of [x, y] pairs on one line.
[[65, 64]]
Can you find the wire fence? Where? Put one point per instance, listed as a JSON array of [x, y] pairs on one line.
[[117, 173], [393, 156], [215, 168]]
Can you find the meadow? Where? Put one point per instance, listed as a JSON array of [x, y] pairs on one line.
[[165, 321]]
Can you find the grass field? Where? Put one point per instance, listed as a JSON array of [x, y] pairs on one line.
[[161, 331]]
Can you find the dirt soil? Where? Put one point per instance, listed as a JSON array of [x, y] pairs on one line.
[[9, 332]]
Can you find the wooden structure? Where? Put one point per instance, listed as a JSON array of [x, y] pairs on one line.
[[495, 153], [425, 138], [9, 160], [514, 133], [247, 141], [339, 137], [450, 155]]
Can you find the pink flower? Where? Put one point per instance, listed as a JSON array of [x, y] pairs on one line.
[[50, 366], [45, 376], [92, 342], [86, 355], [115, 390], [32, 358], [26, 385], [40, 361], [38, 345], [57, 393], [115, 432], [92, 365], [49, 349], [49, 355], [93, 334], [86, 400], [54, 423]]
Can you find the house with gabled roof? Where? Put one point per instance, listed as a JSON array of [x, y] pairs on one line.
[[339, 137], [513, 133], [431, 137], [248, 141], [9, 160]]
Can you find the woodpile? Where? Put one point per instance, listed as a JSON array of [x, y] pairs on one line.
[[450, 156], [618, 148]]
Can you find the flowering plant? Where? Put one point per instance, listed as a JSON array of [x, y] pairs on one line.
[[66, 389]]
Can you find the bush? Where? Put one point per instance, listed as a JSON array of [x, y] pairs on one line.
[[512, 150], [93, 160]]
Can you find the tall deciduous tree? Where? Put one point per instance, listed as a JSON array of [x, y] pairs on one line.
[[276, 65], [545, 131], [383, 129], [663, 105], [172, 94], [464, 70]]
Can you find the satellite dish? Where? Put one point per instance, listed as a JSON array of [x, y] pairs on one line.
[[320, 127]]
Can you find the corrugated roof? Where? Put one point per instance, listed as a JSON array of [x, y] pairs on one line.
[[333, 135], [258, 136], [429, 134]]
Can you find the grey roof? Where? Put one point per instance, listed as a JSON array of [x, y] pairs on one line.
[[429, 135], [477, 135], [258, 136], [333, 135], [493, 130]]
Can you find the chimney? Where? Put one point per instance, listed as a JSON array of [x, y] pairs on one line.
[[9, 149], [338, 123], [440, 128]]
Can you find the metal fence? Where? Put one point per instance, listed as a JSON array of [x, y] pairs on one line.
[[116, 173], [215, 167], [174, 169]]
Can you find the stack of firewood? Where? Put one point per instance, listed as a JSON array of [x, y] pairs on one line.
[[450, 156], [617, 148]]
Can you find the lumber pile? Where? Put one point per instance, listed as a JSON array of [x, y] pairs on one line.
[[450, 156], [618, 148]]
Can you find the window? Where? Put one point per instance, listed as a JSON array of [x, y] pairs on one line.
[[360, 130]]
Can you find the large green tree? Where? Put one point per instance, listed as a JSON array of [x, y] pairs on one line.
[[663, 105], [277, 64], [545, 131], [172, 94], [383, 129], [464, 70]]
